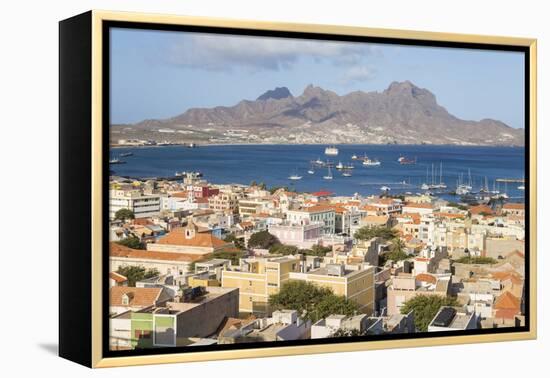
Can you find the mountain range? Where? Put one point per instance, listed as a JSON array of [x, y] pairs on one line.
[[403, 114]]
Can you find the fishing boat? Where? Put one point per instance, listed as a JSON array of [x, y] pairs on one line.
[[329, 175], [295, 176], [354, 157], [371, 163], [405, 161], [331, 151], [115, 160], [319, 162]]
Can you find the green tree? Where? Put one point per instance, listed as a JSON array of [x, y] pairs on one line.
[[311, 301], [136, 273], [397, 251], [282, 249], [369, 232], [132, 242], [262, 239], [334, 304], [237, 242], [124, 214], [476, 260], [319, 250], [342, 332], [425, 307]]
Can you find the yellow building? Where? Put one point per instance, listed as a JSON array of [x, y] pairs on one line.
[[258, 278], [355, 282]]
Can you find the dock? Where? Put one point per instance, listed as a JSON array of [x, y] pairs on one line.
[[521, 180]]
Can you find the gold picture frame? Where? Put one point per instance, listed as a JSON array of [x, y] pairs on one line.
[[91, 25]]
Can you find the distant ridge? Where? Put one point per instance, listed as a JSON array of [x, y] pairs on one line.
[[403, 113], [275, 94]]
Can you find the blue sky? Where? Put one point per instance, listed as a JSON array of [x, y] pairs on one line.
[[159, 74]]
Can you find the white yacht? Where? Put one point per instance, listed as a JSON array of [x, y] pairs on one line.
[[329, 175], [331, 151]]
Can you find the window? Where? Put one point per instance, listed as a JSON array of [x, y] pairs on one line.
[[141, 334]]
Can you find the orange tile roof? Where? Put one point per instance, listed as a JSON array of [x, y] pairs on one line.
[[177, 237], [379, 219], [508, 276], [481, 209], [180, 194], [117, 250], [424, 277], [117, 277], [368, 208], [507, 301], [419, 205], [449, 215], [138, 296], [318, 208], [514, 206], [385, 201]]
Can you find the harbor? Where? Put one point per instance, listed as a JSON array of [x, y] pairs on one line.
[[458, 171]]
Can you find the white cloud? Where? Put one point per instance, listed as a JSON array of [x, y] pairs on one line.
[[224, 53], [358, 73]]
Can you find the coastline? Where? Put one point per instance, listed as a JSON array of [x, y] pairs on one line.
[[197, 145]]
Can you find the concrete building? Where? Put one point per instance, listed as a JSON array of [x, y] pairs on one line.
[[199, 315], [189, 240], [123, 298], [301, 235], [452, 319], [167, 263], [362, 324], [257, 278], [406, 286], [315, 214], [143, 206], [224, 202], [283, 325], [355, 282]]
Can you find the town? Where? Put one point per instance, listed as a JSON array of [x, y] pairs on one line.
[[194, 262]]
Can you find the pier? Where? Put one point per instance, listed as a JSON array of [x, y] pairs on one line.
[[521, 180]]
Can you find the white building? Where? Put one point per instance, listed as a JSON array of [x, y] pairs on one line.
[[315, 214], [303, 235], [143, 206]]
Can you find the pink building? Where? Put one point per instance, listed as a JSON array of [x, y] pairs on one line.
[[302, 235]]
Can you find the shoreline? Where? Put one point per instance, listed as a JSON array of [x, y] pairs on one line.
[[197, 145]]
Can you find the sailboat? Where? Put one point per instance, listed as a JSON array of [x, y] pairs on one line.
[[329, 175], [339, 165], [311, 171], [346, 173], [441, 184], [295, 176], [426, 186]]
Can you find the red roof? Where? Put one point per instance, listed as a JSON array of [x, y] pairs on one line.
[[322, 193]]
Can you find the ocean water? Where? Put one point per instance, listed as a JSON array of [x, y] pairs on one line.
[[273, 164]]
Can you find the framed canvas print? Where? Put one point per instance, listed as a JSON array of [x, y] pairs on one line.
[[234, 189]]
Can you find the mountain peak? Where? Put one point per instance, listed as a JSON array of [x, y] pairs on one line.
[[275, 94], [314, 91], [409, 89]]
